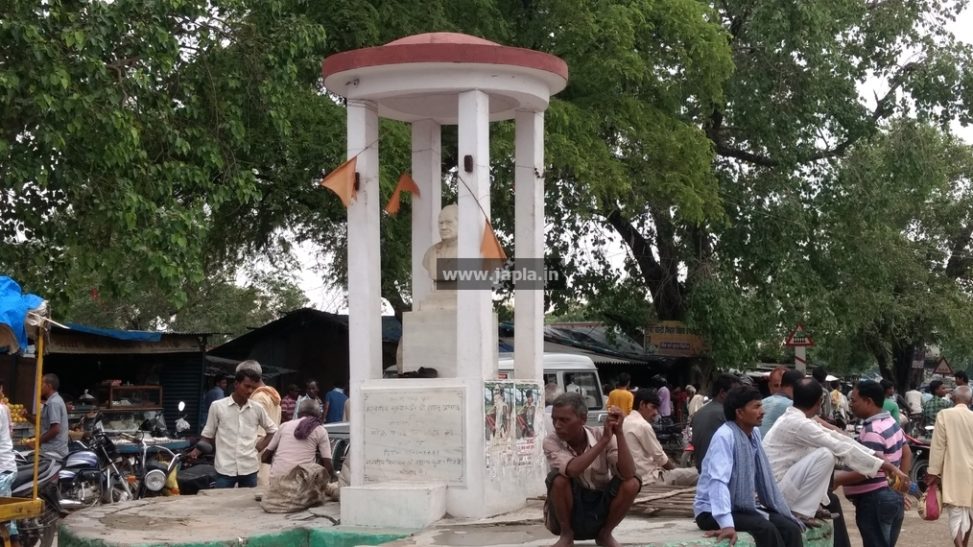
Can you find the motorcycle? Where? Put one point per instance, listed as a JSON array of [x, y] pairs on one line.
[[199, 474], [688, 458], [90, 474], [670, 436], [41, 530], [182, 424], [158, 471], [920, 460]]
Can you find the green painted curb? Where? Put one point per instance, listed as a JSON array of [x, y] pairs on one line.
[[297, 537], [820, 536]]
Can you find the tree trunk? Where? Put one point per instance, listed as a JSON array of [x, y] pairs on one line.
[[660, 276]]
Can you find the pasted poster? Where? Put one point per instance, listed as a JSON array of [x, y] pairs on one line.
[[498, 401], [530, 430], [526, 408]]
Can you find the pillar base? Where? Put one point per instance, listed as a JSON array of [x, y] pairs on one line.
[[411, 506]]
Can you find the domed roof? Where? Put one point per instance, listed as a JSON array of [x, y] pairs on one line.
[[443, 47], [421, 76], [441, 38]]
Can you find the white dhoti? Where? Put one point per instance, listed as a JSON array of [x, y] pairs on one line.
[[959, 519], [805, 484]]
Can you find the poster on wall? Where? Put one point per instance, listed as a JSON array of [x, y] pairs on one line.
[[498, 402], [526, 408], [528, 417]]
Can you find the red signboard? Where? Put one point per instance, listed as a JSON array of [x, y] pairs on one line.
[[799, 338]]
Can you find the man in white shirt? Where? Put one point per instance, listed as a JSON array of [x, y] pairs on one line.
[[802, 452], [652, 464], [914, 398], [233, 423], [8, 467]]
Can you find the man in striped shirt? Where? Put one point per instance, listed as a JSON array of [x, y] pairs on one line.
[[879, 510]]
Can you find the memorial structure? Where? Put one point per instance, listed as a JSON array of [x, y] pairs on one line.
[[463, 443]]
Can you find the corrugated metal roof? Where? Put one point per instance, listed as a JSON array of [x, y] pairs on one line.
[[92, 340]]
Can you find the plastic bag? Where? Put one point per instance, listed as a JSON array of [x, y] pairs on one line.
[[930, 504]]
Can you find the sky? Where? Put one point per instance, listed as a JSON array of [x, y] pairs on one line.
[[321, 295]]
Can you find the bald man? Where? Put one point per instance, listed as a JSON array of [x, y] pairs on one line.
[[951, 464]]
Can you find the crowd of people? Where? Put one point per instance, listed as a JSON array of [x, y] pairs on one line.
[[770, 466]]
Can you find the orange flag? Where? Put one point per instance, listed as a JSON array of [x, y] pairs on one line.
[[341, 181], [490, 246], [405, 184]]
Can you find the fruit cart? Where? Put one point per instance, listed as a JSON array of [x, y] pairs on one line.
[[18, 314]]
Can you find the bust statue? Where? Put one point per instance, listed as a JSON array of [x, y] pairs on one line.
[[446, 248]]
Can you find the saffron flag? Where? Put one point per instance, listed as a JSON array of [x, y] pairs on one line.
[[341, 181], [490, 246], [405, 184]]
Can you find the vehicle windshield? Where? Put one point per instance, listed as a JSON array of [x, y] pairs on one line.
[[584, 383]]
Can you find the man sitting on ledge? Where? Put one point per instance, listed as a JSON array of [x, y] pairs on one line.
[[736, 489], [592, 483]]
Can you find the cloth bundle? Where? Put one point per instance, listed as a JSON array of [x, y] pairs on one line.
[[305, 486]]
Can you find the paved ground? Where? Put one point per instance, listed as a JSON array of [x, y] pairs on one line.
[[915, 531], [227, 515], [215, 517]]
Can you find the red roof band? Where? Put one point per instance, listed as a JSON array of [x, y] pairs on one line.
[[443, 47]]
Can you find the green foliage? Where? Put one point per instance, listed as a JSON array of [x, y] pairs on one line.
[[128, 127], [724, 145], [217, 305]]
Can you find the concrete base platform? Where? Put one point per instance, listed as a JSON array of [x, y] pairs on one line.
[[408, 506], [232, 517], [525, 527], [212, 518]]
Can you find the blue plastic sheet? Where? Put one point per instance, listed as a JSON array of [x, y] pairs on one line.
[[14, 305]]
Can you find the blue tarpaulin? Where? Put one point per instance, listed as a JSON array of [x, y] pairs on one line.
[[117, 334], [14, 305]]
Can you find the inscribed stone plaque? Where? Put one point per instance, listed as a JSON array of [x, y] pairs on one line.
[[415, 434]]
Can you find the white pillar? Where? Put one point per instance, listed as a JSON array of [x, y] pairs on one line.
[[529, 243], [427, 172], [474, 308], [364, 284]]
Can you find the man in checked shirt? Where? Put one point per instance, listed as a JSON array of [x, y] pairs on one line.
[[592, 483]]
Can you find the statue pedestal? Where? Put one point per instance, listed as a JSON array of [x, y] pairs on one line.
[[433, 446], [429, 340]]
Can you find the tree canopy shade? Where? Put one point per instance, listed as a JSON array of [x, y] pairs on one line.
[[155, 141], [129, 129]]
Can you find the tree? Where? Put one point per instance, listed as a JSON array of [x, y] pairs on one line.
[[746, 255], [218, 305], [129, 129], [896, 225]]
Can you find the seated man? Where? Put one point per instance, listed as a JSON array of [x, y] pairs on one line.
[[736, 489], [710, 417], [296, 480], [781, 400], [300, 441], [592, 483], [802, 452], [652, 464]]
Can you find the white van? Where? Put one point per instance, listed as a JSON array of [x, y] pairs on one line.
[[570, 372]]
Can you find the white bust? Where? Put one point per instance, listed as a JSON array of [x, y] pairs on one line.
[[446, 248]]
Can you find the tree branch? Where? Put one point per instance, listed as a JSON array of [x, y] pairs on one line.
[[959, 260], [883, 108]]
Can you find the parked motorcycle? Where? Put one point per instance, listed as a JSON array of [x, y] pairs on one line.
[[198, 474], [38, 531], [688, 458], [90, 474], [158, 470], [670, 436], [182, 424], [920, 460]]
